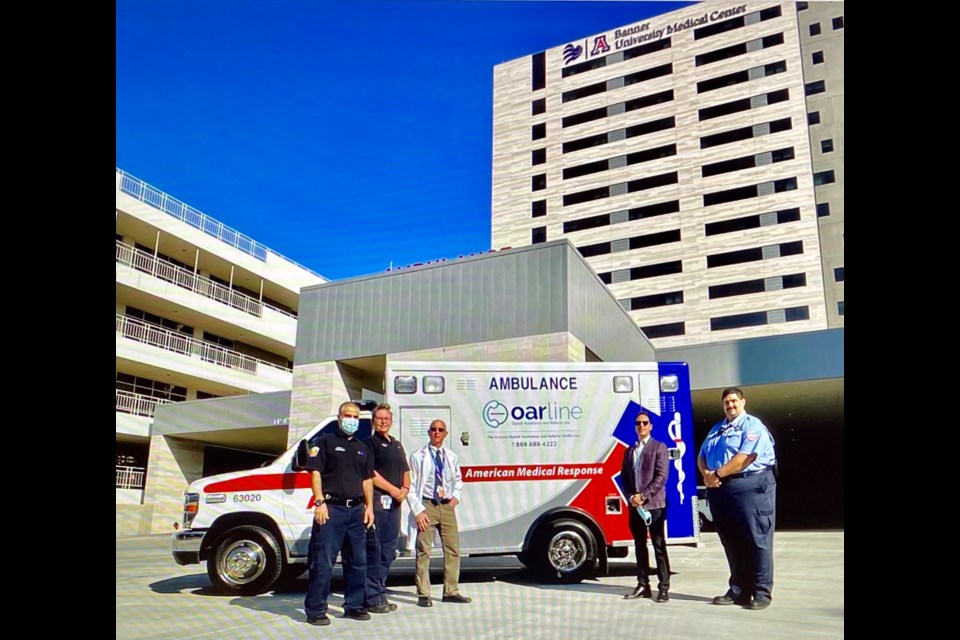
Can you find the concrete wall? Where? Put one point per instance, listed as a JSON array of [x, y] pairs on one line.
[[174, 463]]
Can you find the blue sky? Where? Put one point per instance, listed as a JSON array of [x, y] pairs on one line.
[[345, 135]]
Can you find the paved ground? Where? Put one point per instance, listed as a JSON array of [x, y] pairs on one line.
[[158, 599]]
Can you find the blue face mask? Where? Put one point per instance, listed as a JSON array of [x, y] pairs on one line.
[[350, 425]]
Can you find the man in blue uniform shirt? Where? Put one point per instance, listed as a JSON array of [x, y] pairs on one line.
[[737, 462], [341, 477]]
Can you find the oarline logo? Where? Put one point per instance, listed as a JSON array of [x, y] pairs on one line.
[[495, 414]]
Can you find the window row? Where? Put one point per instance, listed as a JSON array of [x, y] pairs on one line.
[[627, 215], [652, 301], [642, 273], [740, 49], [737, 23], [617, 162], [743, 104], [758, 318], [754, 254], [747, 162], [739, 77], [750, 191], [633, 131], [628, 244], [150, 388], [752, 222], [615, 109], [745, 133], [816, 30], [759, 285], [621, 188], [617, 83]]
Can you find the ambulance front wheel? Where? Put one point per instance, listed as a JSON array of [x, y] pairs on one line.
[[566, 551], [247, 561]]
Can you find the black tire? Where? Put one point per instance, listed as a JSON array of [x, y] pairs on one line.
[[565, 551], [247, 561]]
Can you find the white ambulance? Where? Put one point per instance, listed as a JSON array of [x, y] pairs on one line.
[[540, 448]]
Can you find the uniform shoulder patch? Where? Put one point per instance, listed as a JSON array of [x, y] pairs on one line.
[[752, 435]]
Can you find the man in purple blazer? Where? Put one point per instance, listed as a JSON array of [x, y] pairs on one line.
[[644, 476]]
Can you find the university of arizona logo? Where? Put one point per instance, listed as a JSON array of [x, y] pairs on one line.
[[571, 53], [600, 45]]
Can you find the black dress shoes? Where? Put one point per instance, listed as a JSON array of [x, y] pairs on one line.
[[663, 596], [457, 598], [639, 592], [726, 599], [424, 601]]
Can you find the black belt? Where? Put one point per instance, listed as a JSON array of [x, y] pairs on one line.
[[436, 502], [349, 502], [745, 474]]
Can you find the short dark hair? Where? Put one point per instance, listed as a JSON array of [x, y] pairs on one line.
[[730, 390]]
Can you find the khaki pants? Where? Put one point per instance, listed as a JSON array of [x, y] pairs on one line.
[[444, 518]]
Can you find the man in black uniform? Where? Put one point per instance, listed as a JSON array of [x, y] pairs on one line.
[[341, 476], [391, 483]]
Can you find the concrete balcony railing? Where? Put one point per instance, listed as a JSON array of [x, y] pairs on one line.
[[147, 263], [151, 334], [130, 477], [137, 404]]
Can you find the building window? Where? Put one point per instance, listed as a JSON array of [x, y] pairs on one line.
[[538, 156], [745, 133], [803, 6], [737, 50], [813, 117], [539, 131], [538, 106], [744, 104], [826, 146], [642, 273], [751, 222], [539, 70], [817, 57], [664, 330], [538, 235], [823, 209], [655, 300], [636, 242], [757, 253], [813, 88], [539, 182], [739, 77], [747, 162], [840, 308], [750, 191], [815, 29], [538, 209], [757, 318], [838, 23], [824, 177], [838, 274], [759, 285]]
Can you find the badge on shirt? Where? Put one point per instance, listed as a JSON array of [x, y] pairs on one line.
[[386, 501], [752, 435]]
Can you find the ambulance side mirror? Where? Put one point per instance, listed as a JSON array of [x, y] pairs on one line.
[[300, 459]]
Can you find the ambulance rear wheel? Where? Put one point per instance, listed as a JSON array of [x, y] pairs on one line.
[[566, 551], [247, 561]]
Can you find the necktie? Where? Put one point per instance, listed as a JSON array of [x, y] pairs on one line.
[[438, 475], [636, 465]]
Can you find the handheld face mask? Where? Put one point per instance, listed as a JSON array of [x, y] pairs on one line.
[[350, 425]]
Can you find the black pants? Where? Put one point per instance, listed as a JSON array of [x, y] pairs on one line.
[[744, 511], [658, 518]]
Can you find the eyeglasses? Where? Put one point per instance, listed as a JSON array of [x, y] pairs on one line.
[[642, 423], [436, 430]]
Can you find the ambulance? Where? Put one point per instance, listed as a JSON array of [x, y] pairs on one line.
[[540, 448]]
